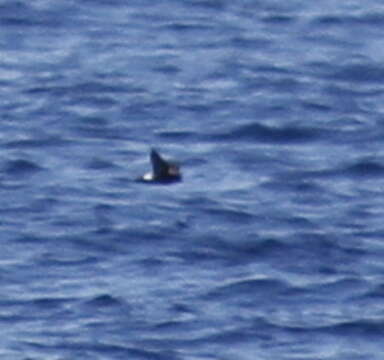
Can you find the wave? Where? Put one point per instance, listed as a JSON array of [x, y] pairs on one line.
[[21, 167], [258, 132]]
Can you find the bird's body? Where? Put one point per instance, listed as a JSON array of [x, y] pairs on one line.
[[162, 171]]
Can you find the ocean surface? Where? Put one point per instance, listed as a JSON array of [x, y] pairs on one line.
[[272, 246]]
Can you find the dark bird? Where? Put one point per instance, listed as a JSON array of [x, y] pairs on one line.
[[163, 171]]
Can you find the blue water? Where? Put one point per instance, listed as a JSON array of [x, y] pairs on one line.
[[271, 248]]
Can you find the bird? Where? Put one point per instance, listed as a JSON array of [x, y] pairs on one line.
[[163, 171]]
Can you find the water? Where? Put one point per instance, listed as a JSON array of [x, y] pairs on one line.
[[271, 247]]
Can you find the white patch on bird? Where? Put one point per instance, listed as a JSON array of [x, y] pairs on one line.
[[148, 177]]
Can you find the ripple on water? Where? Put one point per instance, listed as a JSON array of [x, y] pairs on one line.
[[365, 168], [258, 132], [21, 167]]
